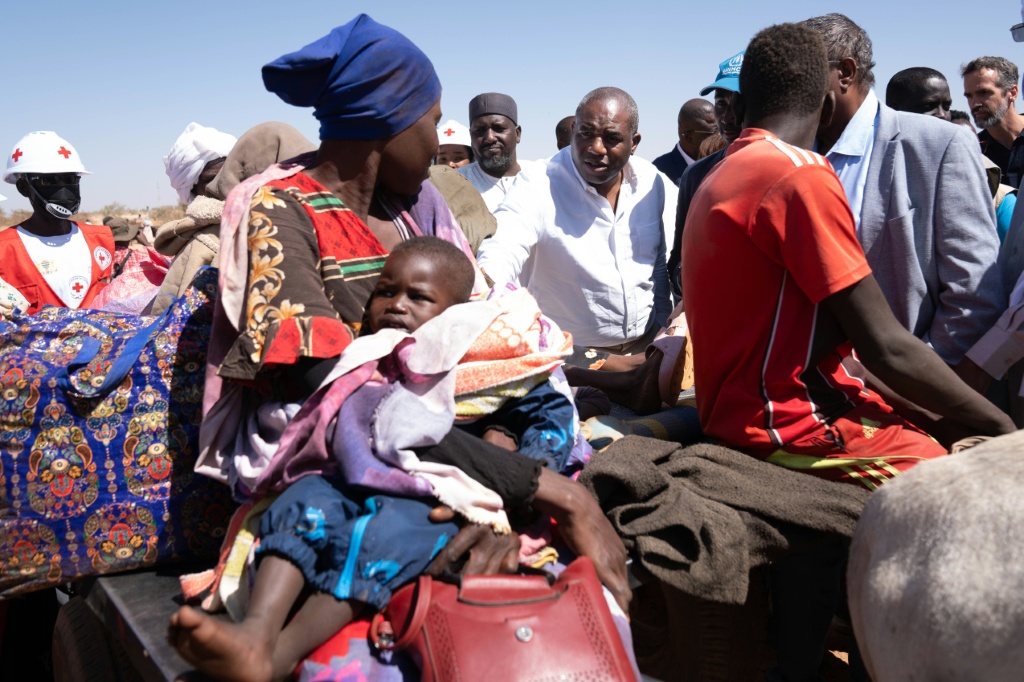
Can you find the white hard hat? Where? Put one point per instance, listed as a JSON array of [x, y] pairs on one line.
[[42, 152], [453, 132]]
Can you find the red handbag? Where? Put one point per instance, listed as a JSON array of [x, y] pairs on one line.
[[506, 627]]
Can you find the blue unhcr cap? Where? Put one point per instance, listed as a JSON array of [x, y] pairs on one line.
[[728, 75], [364, 80]]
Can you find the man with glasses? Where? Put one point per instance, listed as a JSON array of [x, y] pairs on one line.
[[917, 190], [49, 258], [696, 121]]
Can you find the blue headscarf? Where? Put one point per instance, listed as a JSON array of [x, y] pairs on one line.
[[365, 81]]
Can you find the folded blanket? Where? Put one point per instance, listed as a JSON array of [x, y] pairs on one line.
[[699, 518], [517, 351]]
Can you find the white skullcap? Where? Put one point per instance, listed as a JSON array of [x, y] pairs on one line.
[[195, 148], [453, 132]]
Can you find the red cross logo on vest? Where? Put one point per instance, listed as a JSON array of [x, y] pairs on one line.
[[449, 132], [66, 153], [102, 257], [77, 287], [17, 155]]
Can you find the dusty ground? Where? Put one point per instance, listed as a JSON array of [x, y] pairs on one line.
[[836, 666]]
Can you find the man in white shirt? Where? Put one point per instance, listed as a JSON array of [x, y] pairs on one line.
[[591, 225], [494, 132]]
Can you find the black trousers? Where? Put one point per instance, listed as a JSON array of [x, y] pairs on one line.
[[807, 590]]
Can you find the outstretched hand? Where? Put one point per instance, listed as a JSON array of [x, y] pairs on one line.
[[581, 523], [475, 550], [586, 531]]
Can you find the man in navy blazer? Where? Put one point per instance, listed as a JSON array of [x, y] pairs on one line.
[[696, 121], [917, 190]]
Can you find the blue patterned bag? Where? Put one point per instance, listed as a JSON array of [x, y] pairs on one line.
[[99, 425]]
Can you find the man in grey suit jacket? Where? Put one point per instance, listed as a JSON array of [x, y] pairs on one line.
[[916, 188]]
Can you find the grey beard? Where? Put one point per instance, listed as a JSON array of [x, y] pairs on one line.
[[995, 118], [496, 166]]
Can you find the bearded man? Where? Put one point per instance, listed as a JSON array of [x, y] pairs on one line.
[[494, 132], [990, 86]]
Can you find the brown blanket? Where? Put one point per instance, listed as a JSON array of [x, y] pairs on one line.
[[700, 517]]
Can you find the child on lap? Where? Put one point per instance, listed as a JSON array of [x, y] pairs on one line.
[[353, 547]]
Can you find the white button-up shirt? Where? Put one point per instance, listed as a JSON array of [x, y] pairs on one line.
[[493, 189], [597, 272], [686, 157]]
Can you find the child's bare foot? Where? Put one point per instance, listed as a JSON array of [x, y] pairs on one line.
[[224, 651]]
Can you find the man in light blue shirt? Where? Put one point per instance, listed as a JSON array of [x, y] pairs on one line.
[[851, 153]]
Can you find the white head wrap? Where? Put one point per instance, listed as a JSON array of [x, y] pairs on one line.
[[195, 148]]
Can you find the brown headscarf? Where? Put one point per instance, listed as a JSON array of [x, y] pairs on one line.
[[259, 147], [193, 240]]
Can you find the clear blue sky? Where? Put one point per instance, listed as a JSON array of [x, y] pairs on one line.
[[120, 80]]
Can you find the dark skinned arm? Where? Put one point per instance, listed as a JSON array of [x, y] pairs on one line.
[[586, 530], [581, 523], [945, 431], [973, 375], [905, 364]]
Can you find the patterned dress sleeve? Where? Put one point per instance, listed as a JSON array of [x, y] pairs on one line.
[[288, 313]]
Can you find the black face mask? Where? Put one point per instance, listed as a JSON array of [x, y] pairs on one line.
[[62, 201]]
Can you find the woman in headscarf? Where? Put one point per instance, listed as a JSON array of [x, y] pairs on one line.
[[193, 241], [196, 157], [302, 246]]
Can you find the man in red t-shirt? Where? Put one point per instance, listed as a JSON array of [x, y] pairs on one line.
[[777, 293]]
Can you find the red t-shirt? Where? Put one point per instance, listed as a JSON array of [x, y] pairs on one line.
[[768, 236]]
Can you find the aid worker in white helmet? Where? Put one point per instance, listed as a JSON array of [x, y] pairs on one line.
[[454, 147], [50, 259]]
